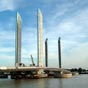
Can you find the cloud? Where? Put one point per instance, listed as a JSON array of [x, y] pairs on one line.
[[64, 9], [10, 4], [77, 57], [7, 5], [6, 49], [7, 60], [7, 43], [69, 26], [7, 34], [73, 31]]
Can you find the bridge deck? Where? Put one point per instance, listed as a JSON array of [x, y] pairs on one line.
[[28, 68]]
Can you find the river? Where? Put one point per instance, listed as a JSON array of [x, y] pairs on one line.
[[80, 81]]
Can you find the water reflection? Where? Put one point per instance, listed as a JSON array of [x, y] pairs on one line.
[[17, 83], [73, 82], [61, 83], [50, 83], [41, 83]]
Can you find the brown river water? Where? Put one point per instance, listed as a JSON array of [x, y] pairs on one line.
[[80, 81]]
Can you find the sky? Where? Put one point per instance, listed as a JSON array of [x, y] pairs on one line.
[[67, 19]]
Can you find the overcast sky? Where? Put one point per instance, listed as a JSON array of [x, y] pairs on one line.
[[67, 19]]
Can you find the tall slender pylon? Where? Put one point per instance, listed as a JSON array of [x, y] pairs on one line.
[[40, 38], [59, 51], [18, 40], [46, 52]]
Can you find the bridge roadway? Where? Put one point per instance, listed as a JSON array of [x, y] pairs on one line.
[[10, 69]]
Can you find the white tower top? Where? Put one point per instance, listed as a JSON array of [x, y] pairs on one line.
[[18, 17]]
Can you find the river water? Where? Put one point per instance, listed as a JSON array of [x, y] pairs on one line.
[[80, 81]]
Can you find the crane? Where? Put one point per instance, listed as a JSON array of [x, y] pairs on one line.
[[33, 64]]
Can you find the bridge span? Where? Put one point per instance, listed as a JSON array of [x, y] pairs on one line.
[[8, 69], [33, 72]]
